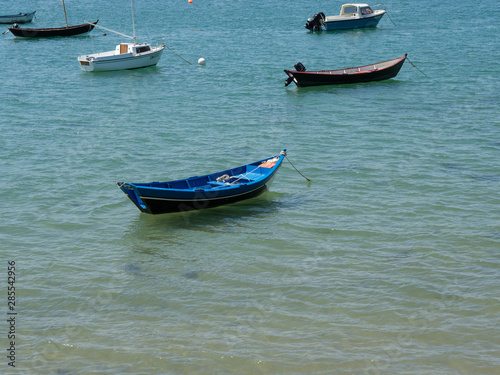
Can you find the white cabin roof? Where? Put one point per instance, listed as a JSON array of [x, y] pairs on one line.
[[352, 8], [355, 5]]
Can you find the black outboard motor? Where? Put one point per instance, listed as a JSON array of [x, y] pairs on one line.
[[299, 67], [316, 22]]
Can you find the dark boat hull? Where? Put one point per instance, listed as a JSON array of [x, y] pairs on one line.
[[200, 201], [51, 32], [353, 24], [200, 192], [366, 73]]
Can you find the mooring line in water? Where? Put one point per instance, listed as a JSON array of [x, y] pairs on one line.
[[390, 18], [416, 67], [177, 54], [308, 180]]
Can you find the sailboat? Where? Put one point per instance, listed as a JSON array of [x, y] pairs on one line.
[[53, 31], [124, 56]]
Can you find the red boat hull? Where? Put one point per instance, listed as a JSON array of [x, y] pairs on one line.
[[367, 73]]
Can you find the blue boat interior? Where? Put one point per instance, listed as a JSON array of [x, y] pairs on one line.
[[231, 177]]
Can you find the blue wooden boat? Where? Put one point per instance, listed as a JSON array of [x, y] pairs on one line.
[[211, 190], [352, 16], [17, 18]]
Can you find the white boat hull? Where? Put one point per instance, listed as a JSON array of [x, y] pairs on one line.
[[109, 61]]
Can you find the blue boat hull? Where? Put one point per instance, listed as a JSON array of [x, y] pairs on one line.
[[206, 191], [353, 24], [18, 18]]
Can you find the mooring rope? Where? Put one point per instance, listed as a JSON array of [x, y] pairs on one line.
[[383, 7], [308, 180], [416, 67], [177, 54], [390, 18], [281, 153], [242, 176]]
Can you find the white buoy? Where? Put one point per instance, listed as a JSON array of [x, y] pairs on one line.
[[202, 61]]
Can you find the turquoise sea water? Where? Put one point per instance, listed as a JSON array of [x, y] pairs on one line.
[[387, 263]]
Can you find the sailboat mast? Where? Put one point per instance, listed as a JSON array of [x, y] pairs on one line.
[[133, 22], [65, 17]]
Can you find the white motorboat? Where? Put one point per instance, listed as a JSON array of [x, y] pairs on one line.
[[124, 56], [352, 16]]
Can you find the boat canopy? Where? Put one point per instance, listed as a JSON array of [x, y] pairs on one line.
[[133, 48], [349, 9]]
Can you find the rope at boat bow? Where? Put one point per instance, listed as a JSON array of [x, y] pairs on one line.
[[390, 18], [177, 54], [308, 180], [383, 7], [416, 67]]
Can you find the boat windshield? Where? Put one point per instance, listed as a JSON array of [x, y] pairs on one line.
[[349, 9], [142, 49], [366, 10]]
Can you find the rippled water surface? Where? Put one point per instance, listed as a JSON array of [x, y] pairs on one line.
[[386, 263]]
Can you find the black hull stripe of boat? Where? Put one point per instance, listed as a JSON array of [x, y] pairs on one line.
[[201, 198]]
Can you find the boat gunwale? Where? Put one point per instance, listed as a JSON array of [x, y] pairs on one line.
[[231, 186], [90, 25], [342, 71]]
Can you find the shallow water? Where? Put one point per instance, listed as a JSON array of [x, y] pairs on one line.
[[386, 263]]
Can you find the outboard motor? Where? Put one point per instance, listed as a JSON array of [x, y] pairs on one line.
[[299, 67], [316, 22]]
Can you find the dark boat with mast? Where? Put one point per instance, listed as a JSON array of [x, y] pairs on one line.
[[53, 31]]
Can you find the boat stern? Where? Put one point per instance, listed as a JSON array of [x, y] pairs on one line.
[[129, 190], [86, 63]]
